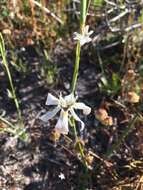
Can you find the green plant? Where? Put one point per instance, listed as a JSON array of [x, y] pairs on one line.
[[11, 93], [67, 105], [110, 86], [83, 15]]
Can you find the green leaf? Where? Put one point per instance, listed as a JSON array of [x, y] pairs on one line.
[[9, 93], [116, 84], [112, 85], [104, 81]]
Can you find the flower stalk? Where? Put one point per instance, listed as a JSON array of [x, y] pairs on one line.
[[83, 13], [76, 67], [80, 147]]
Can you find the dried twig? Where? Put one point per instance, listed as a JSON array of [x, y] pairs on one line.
[[47, 11], [132, 27], [120, 16], [110, 3]]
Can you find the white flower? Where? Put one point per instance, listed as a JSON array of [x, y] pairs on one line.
[[66, 105], [61, 176], [84, 37]]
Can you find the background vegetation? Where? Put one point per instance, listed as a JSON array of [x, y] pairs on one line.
[[37, 56]]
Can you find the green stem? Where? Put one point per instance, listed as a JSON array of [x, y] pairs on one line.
[[83, 13], [81, 150], [3, 54], [88, 5], [76, 67], [7, 122]]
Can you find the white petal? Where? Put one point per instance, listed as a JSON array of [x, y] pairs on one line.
[[83, 41], [77, 36], [90, 32], [62, 124], [61, 176], [86, 28], [75, 116], [51, 100], [82, 106], [70, 99], [50, 114], [88, 39]]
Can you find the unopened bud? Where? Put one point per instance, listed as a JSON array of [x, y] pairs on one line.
[[101, 114], [132, 97], [108, 121], [55, 136]]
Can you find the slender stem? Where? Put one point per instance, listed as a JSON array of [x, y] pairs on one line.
[[100, 63], [10, 128], [88, 5], [7, 122], [80, 147], [3, 54], [75, 131], [76, 67], [83, 13]]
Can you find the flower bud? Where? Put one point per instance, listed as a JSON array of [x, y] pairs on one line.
[[101, 114], [87, 111], [55, 136], [132, 97], [108, 121]]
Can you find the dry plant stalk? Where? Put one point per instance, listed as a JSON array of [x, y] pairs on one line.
[[32, 6], [47, 11]]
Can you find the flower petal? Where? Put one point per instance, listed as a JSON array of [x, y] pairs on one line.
[[50, 114], [75, 116], [70, 99], [51, 100], [62, 124], [76, 36], [82, 106], [62, 101], [86, 28], [83, 41], [90, 32]]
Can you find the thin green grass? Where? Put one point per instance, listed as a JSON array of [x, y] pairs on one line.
[[17, 130], [11, 92]]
